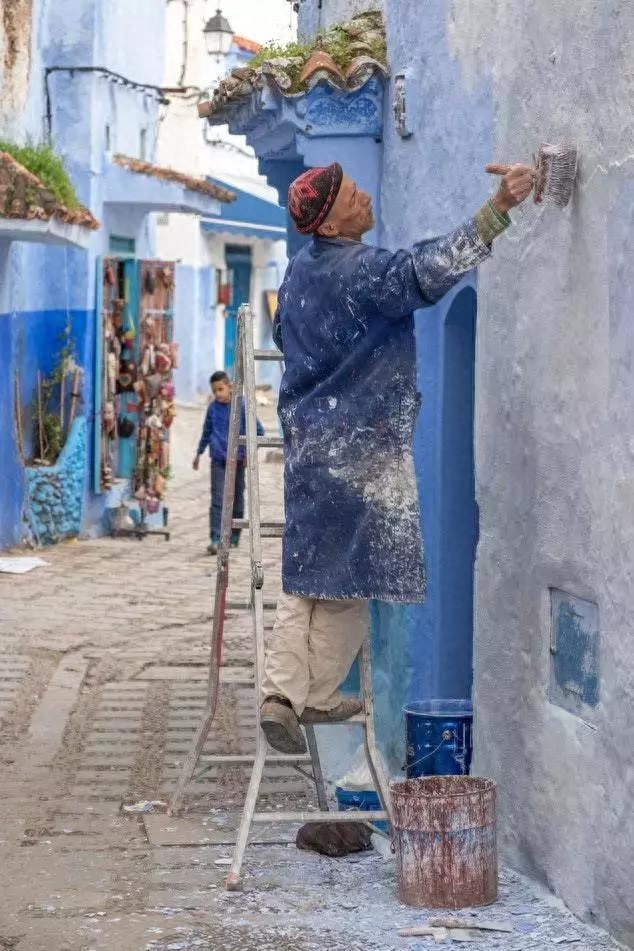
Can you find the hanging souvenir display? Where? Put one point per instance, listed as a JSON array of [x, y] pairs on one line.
[[111, 322], [109, 419], [125, 427], [118, 306], [158, 355], [137, 394], [127, 377]]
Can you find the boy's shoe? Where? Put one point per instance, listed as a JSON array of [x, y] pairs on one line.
[[281, 726], [235, 540], [343, 711], [214, 545]]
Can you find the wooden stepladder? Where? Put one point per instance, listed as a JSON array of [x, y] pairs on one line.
[[244, 389]]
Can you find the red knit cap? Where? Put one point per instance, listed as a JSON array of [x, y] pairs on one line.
[[312, 195]]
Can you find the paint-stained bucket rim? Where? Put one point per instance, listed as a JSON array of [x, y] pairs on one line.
[[439, 787], [443, 708]]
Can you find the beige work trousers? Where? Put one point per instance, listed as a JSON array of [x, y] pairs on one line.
[[311, 650]]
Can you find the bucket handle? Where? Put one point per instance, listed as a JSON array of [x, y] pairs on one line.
[[446, 735]]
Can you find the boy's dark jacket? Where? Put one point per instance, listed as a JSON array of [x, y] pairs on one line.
[[216, 431]]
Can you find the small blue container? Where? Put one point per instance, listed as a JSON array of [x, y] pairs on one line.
[[366, 799], [439, 738]]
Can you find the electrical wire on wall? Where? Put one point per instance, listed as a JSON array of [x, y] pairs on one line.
[[228, 146], [158, 93]]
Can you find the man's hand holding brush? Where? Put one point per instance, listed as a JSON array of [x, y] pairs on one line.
[[516, 185]]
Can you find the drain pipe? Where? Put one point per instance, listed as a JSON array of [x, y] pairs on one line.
[[185, 26]]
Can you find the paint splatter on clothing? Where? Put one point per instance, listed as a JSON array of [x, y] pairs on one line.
[[348, 406]]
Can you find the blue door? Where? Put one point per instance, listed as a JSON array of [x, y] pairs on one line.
[[238, 260]]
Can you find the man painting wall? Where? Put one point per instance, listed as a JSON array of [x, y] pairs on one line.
[[348, 406]]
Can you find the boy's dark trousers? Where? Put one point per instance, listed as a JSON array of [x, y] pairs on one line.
[[218, 469]]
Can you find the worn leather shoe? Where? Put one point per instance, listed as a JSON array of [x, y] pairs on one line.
[[281, 726], [343, 711]]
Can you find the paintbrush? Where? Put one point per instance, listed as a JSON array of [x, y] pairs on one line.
[[556, 167]]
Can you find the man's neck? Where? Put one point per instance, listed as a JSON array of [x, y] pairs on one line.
[[340, 237]]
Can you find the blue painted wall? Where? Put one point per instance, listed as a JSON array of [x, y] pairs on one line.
[[554, 423], [11, 475], [423, 186], [430, 183], [43, 292], [43, 287], [195, 301]]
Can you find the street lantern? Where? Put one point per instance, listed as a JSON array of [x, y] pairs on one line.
[[218, 35]]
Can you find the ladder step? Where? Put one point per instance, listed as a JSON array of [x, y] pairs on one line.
[[351, 815], [357, 718], [267, 529], [266, 523], [250, 758], [266, 442], [268, 355], [245, 605]]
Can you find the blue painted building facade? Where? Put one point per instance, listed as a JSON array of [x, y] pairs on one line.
[[110, 104], [420, 651], [524, 442]]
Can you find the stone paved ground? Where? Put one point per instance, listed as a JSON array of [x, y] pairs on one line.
[[102, 680]]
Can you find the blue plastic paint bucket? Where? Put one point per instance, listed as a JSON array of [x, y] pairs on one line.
[[366, 800], [439, 738]]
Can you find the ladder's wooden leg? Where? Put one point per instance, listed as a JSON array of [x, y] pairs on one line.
[[369, 736], [222, 582], [318, 775], [192, 759], [232, 883]]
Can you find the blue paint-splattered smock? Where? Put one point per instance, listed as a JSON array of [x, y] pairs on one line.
[[348, 405]]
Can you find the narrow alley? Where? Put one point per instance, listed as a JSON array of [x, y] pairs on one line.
[[420, 217], [102, 681]]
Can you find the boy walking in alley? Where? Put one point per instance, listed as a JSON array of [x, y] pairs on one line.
[[214, 436], [345, 323]]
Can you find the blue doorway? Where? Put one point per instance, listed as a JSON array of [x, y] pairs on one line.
[[238, 260], [458, 511]]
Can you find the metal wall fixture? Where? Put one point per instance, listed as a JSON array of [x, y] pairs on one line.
[[297, 4], [400, 106]]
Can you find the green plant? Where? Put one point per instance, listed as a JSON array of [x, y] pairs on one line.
[[42, 162], [336, 41], [298, 51], [53, 437], [273, 50], [166, 472], [49, 424]]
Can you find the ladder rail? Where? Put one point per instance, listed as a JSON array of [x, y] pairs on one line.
[[245, 320], [222, 584]]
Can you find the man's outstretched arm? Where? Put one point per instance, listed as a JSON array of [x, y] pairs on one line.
[[408, 280]]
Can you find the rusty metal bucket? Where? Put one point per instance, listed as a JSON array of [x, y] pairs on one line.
[[444, 835]]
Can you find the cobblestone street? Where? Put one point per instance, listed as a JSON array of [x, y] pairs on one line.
[[102, 681]]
